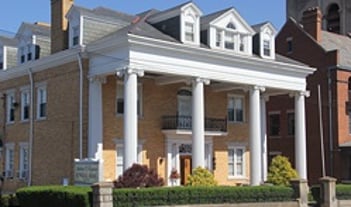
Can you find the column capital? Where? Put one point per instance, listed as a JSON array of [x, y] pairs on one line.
[[300, 93], [255, 87], [265, 97], [201, 80], [128, 71], [97, 78]]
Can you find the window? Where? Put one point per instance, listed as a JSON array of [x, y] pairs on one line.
[[9, 160], [242, 43], [229, 41], [189, 32], [10, 106], [231, 25], [29, 52], [266, 47], [289, 45], [235, 109], [218, 38], [236, 162], [76, 35], [23, 162], [23, 56], [120, 99], [41, 102], [25, 105], [37, 52], [1, 61], [333, 18], [274, 124], [291, 123], [119, 157]]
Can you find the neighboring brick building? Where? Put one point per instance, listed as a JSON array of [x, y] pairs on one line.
[[330, 54], [125, 88]]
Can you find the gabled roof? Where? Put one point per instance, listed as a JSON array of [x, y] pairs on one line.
[[172, 12], [102, 13], [6, 41], [331, 41], [210, 17], [41, 29], [258, 27]]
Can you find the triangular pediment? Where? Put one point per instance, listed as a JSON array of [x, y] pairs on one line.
[[231, 18]]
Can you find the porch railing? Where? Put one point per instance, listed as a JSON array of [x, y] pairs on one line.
[[185, 123]]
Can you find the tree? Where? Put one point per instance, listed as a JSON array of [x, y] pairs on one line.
[[280, 171]]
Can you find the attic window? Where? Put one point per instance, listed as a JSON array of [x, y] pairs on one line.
[[231, 25], [229, 41], [189, 32], [75, 35], [266, 47]]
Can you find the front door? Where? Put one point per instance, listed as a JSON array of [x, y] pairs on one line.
[[185, 168]]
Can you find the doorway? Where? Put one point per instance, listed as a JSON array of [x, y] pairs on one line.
[[185, 168]]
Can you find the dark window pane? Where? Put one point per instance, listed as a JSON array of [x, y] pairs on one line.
[[42, 110], [25, 112], [29, 56], [120, 106], [37, 52], [274, 124]]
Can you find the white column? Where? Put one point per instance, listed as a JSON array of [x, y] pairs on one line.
[[95, 136], [130, 116], [255, 136], [264, 150], [300, 135], [198, 123]]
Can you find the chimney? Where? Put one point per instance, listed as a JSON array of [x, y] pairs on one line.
[[312, 22], [59, 24]]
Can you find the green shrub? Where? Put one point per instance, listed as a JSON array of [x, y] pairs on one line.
[[201, 177], [54, 196], [280, 171], [138, 176], [9, 201], [200, 195]]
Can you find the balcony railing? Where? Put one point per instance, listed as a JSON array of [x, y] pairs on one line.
[[185, 123]]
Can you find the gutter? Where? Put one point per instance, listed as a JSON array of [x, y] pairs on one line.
[[31, 121]]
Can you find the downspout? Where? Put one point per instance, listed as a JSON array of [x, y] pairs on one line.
[[331, 143], [31, 121], [79, 57]]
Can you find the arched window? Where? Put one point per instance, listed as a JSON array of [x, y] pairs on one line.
[[231, 25], [333, 18]]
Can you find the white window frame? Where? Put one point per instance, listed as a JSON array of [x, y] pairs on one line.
[[235, 147], [120, 84], [235, 96], [120, 157], [190, 16], [25, 102], [23, 161], [10, 106], [9, 160], [42, 101]]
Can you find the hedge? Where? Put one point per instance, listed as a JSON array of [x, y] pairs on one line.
[[54, 196], [9, 200], [343, 192], [200, 195]]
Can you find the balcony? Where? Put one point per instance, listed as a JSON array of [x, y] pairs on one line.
[[185, 123]]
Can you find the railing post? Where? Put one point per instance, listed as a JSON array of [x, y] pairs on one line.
[[327, 193], [102, 194], [300, 187]]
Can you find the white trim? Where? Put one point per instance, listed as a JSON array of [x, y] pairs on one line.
[[236, 146], [10, 100], [23, 173], [43, 87], [9, 173], [25, 102], [243, 97]]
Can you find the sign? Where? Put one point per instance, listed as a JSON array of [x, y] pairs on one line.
[[86, 172]]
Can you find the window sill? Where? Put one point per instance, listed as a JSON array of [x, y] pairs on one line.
[[24, 121], [10, 123], [237, 177], [236, 122], [41, 119], [120, 116], [274, 136]]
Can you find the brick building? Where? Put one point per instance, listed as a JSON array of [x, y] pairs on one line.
[[329, 52], [169, 89]]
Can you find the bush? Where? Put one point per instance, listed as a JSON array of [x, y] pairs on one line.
[[343, 192], [9, 201], [138, 176], [54, 196], [280, 172], [200, 195], [201, 177]]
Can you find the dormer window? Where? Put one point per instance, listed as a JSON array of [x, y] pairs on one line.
[[23, 55], [231, 25], [266, 48], [29, 52], [229, 41], [189, 32], [218, 38], [242, 43], [75, 38]]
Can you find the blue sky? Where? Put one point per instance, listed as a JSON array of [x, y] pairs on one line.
[[14, 12]]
